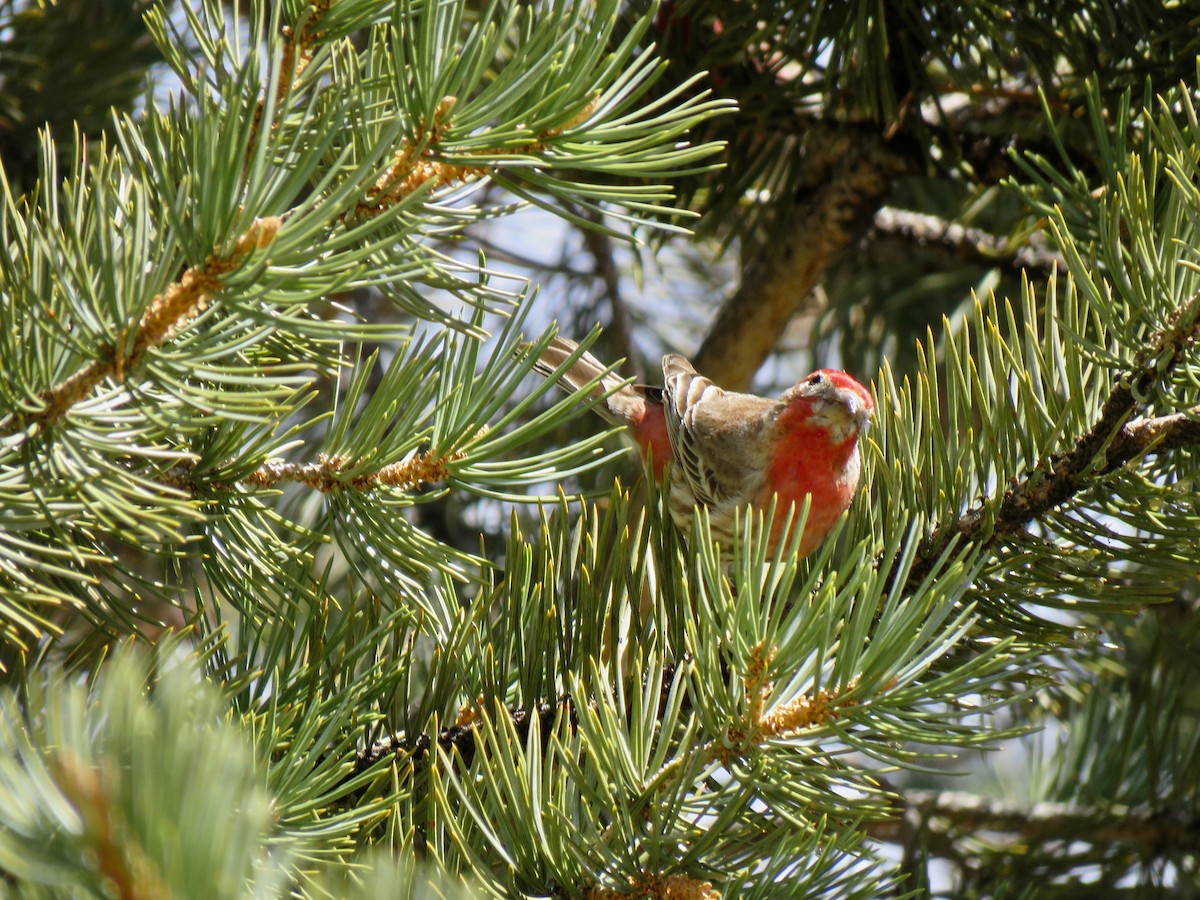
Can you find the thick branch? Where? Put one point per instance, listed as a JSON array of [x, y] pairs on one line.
[[832, 217], [1158, 434], [955, 812]]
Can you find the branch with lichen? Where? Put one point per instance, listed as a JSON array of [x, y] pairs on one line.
[[167, 314], [960, 243], [944, 817]]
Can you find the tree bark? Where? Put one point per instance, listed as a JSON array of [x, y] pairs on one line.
[[777, 282]]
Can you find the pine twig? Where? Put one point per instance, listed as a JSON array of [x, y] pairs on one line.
[[416, 163], [328, 473], [299, 48], [167, 313]]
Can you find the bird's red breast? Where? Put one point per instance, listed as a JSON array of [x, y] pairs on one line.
[[815, 453], [806, 462]]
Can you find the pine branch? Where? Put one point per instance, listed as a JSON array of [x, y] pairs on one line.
[[758, 727], [959, 813], [851, 175], [1112, 442], [167, 314]]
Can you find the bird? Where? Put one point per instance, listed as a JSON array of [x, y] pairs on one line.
[[729, 451]]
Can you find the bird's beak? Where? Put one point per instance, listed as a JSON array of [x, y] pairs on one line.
[[859, 410], [863, 416]]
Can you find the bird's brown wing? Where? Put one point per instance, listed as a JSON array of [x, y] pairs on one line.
[[684, 395]]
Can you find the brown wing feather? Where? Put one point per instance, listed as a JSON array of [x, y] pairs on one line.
[[684, 394], [717, 437]]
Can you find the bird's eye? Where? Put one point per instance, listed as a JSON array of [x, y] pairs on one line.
[[816, 378]]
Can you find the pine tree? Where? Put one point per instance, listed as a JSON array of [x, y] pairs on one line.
[[307, 587]]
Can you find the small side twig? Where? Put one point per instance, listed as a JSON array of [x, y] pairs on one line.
[[1114, 440], [299, 48], [327, 474], [964, 244]]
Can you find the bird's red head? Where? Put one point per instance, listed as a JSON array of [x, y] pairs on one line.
[[829, 399]]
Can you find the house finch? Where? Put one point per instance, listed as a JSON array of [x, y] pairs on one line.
[[729, 451]]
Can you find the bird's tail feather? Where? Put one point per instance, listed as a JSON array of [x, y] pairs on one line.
[[623, 404]]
